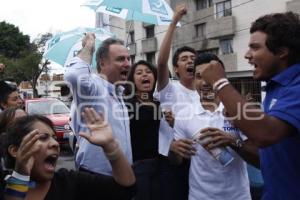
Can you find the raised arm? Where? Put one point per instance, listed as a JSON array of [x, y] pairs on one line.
[[164, 52], [101, 135], [259, 127]]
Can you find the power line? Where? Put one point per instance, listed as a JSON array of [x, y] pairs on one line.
[[238, 5]]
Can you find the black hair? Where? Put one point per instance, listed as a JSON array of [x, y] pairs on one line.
[[203, 58], [130, 78], [17, 131], [283, 30], [5, 91], [7, 117], [179, 51], [103, 50]]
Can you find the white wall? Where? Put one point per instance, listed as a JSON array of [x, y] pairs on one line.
[[244, 16]]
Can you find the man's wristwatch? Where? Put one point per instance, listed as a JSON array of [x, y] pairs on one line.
[[238, 143]]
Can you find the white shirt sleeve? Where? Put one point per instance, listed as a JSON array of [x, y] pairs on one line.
[[166, 94]]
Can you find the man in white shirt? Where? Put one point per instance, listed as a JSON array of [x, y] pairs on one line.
[[209, 179], [100, 92], [174, 96]]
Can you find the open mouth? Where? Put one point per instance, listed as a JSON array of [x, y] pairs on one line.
[[190, 69], [50, 162], [124, 74], [145, 81]]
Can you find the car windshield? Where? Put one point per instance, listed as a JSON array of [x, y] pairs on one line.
[[47, 107]]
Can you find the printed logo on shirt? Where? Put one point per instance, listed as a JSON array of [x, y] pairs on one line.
[[273, 102], [229, 128]]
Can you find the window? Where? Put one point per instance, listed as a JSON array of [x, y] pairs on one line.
[[150, 57], [200, 30], [212, 51], [202, 4], [131, 37], [247, 85], [149, 31], [226, 46], [223, 9]]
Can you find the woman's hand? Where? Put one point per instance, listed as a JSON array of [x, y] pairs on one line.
[[100, 131], [25, 152]]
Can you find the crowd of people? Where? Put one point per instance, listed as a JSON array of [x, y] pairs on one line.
[[142, 136]]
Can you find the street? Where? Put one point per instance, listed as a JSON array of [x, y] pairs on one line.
[[66, 159]]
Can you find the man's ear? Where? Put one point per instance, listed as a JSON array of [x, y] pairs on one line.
[[12, 150], [3, 105], [283, 52]]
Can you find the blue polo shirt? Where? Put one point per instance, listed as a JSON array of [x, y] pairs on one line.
[[280, 163]]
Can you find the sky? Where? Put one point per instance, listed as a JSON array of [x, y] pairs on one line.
[[35, 17]]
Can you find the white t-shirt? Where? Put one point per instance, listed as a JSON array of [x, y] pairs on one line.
[[176, 97], [208, 179]]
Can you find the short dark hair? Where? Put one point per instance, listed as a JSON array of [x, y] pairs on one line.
[[283, 30], [5, 90], [179, 51], [7, 117], [130, 78], [17, 131], [103, 50], [203, 58]]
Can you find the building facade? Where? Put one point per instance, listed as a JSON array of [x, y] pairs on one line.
[[217, 26]]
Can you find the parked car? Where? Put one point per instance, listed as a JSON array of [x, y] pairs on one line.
[[56, 111]]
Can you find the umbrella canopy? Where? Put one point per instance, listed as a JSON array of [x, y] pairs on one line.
[[153, 7], [64, 46], [130, 14]]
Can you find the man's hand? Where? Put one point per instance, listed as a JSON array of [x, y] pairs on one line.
[[212, 72], [180, 10], [88, 42], [169, 117], [183, 147], [217, 138], [88, 48]]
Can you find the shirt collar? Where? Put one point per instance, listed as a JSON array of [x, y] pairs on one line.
[[200, 110], [288, 75]]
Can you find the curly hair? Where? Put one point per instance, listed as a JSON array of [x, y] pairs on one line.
[[283, 30], [179, 51], [203, 58]]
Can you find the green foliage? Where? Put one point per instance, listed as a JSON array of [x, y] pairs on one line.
[[12, 41], [23, 60]]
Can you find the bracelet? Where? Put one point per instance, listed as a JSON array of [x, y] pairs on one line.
[[222, 86], [218, 82], [17, 185], [111, 156], [238, 143], [20, 176]]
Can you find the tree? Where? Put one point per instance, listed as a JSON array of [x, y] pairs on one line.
[[23, 60], [12, 41]]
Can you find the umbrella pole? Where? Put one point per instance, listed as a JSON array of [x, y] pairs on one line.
[[129, 29]]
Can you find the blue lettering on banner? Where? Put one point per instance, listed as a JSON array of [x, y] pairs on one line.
[[164, 19], [114, 10], [158, 6]]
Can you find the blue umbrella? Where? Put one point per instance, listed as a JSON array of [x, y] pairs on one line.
[[153, 7], [64, 46], [130, 13]]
